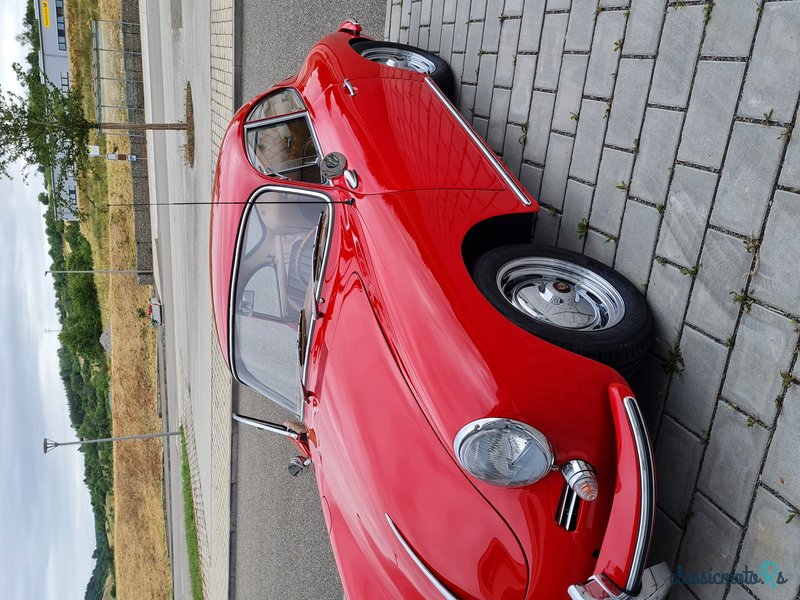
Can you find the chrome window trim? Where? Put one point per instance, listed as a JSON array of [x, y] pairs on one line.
[[235, 272], [445, 593], [647, 491], [277, 121], [485, 150]]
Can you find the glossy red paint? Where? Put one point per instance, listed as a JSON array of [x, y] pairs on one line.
[[406, 351]]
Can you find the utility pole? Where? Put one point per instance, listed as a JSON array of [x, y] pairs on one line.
[[48, 445]]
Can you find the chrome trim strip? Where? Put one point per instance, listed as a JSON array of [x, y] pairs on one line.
[[568, 506], [417, 561], [485, 150], [647, 491], [235, 273]]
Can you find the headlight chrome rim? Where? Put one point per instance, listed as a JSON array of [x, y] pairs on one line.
[[540, 441]]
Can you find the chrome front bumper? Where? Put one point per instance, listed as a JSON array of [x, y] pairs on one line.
[[655, 586]]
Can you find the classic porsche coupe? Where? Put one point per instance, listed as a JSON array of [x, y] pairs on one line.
[[458, 389]]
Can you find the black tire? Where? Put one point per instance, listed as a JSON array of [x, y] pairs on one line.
[[440, 72], [619, 344]]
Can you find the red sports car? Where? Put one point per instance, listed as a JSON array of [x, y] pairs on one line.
[[456, 387]]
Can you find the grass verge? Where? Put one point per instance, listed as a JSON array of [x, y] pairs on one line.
[[190, 525]]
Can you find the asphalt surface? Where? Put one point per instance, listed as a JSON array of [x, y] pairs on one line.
[[280, 544]]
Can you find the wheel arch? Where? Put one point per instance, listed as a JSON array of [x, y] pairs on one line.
[[500, 230]]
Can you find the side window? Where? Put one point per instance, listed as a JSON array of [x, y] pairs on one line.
[[278, 104], [286, 148], [274, 280]]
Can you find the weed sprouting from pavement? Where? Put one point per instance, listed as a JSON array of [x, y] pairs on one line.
[[673, 364]]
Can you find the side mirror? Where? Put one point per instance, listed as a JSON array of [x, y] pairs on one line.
[[298, 465], [334, 165]]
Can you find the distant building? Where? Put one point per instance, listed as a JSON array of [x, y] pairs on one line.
[[54, 66]]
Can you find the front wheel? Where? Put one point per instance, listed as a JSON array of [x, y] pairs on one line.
[[569, 300], [402, 56]]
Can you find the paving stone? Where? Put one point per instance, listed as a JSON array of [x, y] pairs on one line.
[[477, 10], [609, 201], [764, 346], [457, 67], [546, 228], [686, 215], [581, 25], [449, 14], [773, 80], [395, 20], [481, 125], [599, 247], [513, 8], [426, 12], [589, 140], [776, 280], [506, 53], [491, 27], [637, 240], [644, 27], [680, 592], [461, 26], [630, 98], [413, 30], [437, 10], [666, 541], [498, 115], [424, 34], [680, 42], [790, 175], [512, 148], [539, 127], [677, 454], [531, 177], [549, 65], [570, 90], [732, 461], [554, 181], [710, 544], [466, 101], [770, 538], [780, 472], [737, 593], [577, 203], [731, 28], [532, 19], [471, 56], [667, 295], [711, 108], [726, 263], [610, 28], [748, 176], [483, 94], [614, 3], [446, 45], [660, 135], [523, 86], [558, 4], [693, 393]]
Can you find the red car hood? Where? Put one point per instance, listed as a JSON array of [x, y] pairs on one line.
[[463, 361]]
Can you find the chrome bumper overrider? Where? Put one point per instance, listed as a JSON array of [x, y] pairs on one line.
[[655, 586]]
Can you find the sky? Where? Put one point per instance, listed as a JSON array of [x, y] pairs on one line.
[[46, 523]]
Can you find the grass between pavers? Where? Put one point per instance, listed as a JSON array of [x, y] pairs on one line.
[[190, 524]]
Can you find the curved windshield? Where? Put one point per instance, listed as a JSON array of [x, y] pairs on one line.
[[274, 281]]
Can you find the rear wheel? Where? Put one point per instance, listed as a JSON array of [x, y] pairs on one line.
[[568, 299], [402, 56]]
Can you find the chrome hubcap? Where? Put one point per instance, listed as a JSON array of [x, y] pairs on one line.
[[560, 293], [399, 59]]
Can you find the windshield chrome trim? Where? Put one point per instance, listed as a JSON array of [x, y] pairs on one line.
[[235, 272], [445, 593], [487, 152]]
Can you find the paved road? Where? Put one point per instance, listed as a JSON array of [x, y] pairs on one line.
[[281, 546]]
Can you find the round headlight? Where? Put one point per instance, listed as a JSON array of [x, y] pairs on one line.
[[503, 452]]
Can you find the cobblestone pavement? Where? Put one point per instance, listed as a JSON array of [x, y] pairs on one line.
[[658, 138]]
